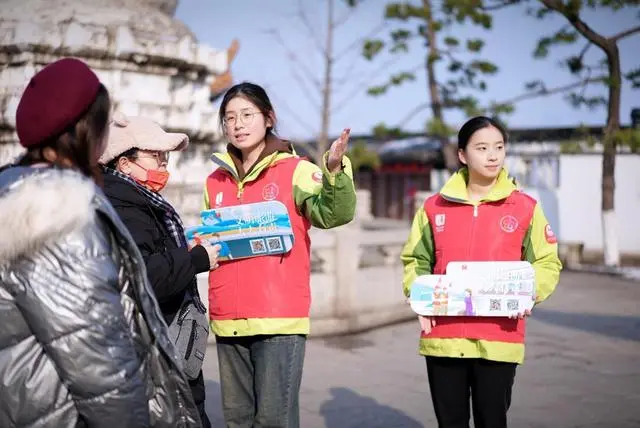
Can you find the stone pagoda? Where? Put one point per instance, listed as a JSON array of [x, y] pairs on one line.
[[151, 63]]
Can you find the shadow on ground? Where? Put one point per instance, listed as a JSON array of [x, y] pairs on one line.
[[361, 411], [617, 326], [347, 342]]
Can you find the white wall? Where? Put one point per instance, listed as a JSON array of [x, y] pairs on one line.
[[579, 200]]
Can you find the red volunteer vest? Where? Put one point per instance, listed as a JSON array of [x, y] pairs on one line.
[[492, 231], [275, 286]]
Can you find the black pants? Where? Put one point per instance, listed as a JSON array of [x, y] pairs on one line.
[[488, 383], [198, 392]]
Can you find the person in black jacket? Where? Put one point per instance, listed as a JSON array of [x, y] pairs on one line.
[[134, 164]]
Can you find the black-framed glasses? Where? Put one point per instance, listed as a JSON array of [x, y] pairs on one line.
[[245, 118]]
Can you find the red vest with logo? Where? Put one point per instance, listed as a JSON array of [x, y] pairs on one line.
[[491, 231], [273, 286]]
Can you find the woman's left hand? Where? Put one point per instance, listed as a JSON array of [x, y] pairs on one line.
[[337, 151]]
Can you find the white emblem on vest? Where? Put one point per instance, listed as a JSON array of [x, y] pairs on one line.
[[218, 200], [509, 223], [440, 220], [270, 191]]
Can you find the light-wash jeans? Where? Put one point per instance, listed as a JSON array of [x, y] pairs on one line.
[[260, 378]]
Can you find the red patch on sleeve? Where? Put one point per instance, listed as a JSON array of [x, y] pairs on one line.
[[317, 176], [549, 235]]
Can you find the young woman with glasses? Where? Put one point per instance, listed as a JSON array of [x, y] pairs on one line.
[[259, 307]]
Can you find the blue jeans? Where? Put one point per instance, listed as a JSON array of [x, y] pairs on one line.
[[260, 379]]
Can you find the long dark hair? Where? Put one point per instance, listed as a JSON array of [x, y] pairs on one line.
[[474, 124], [254, 94], [80, 142]]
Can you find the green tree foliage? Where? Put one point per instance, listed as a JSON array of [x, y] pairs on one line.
[[430, 23], [362, 157], [607, 72]]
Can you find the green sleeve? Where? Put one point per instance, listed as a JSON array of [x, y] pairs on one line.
[[417, 255], [540, 248], [327, 199]]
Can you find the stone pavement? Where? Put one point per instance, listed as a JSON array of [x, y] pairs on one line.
[[581, 369]]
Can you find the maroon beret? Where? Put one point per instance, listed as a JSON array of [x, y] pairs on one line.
[[55, 98]]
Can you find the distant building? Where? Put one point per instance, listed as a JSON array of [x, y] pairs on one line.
[[414, 164]]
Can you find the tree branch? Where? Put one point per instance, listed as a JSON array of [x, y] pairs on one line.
[[625, 33], [356, 43], [349, 74], [364, 83], [584, 50], [351, 69], [448, 53], [584, 87], [578, 23], [295, 59], [305, 21], [348, 14], [500, 5], [401, 124], [595, 67], [522, 97], [306, 90], [344, 18], [284, 106], [546, 92]]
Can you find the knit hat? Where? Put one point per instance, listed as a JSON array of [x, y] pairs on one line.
[[141, 133], [54, 99]]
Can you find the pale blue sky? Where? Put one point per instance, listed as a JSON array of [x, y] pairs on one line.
[[263, 60]]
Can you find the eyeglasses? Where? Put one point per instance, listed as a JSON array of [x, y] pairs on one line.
[[161, 157], [245, 119]]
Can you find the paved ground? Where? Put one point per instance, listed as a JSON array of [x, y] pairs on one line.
[[582, 367]]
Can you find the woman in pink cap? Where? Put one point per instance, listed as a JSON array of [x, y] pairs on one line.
[[82, 342], [135, 172]]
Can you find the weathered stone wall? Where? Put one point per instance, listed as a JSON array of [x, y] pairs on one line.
[[151, 63]]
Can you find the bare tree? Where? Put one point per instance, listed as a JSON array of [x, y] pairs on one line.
[[322, 84]]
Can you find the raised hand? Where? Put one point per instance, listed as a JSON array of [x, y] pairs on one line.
[[337, 151]]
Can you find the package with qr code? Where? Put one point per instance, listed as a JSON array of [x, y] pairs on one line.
[[242, 231], [480, 289]]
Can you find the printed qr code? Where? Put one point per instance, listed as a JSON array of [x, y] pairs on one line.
[[257, 246], [274, 244], [513, 305], [495, 305]]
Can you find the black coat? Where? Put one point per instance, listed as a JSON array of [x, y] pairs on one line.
[[171, 269]]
